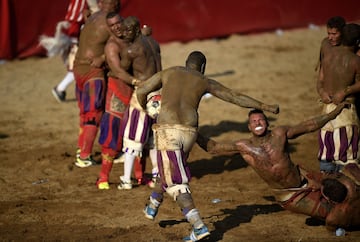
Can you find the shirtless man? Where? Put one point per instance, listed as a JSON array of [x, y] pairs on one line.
[[90, 79], [334, 27], [312, 193], [118, 96], [142, 57], [120, 88], [77, 13], [176, 130], [339, 79]]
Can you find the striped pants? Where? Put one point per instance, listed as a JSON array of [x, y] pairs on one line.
[[340, 145]]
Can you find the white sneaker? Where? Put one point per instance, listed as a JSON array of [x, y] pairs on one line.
[[124, 185], [197, 234]]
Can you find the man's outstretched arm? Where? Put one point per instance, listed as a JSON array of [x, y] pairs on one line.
[[239, 99], [315, 123], [213, 147]]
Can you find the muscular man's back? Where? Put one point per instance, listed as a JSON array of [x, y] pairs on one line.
[[93, 38], [180, 98], [346, 213]]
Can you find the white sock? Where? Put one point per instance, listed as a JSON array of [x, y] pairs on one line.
[[194, 218], [153, 158], [128, 166], [69, 78]]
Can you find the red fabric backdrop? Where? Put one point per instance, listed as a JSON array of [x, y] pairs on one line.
[[23, 21]]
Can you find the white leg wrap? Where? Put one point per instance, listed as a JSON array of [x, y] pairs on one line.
[[194, 219], [155, 202], [175, 190], [128, 166], [153, 158]]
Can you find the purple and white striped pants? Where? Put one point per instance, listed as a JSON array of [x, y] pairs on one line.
[[339, 138]]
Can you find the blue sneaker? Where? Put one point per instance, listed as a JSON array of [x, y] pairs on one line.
[[150, 212], [197, 234]]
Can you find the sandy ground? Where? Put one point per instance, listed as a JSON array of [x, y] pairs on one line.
[[44, 197]]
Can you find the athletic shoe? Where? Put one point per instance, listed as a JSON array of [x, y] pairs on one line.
[[103, 185], [197, 234], [82, 163], [150, 212], [59, 96], [124, 185]]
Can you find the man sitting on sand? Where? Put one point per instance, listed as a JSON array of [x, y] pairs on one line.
[[334, 198]]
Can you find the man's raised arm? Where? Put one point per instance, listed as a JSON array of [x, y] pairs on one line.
[[239, 99], [315, 123]]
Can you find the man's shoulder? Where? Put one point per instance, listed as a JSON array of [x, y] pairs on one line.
[[180, 68], [241, 142], [325, 41], [93, 18], [356, 57], [112, 42], [174, 71], [99, 14], [151, 39], [279, 130], [325, 45]]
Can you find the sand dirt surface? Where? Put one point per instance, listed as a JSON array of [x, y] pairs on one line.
[[44, 197]]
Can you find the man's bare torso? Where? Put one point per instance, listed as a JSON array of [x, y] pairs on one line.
[[270, 159], [145, 55], [92, 40], [338, 68], [114, 46]]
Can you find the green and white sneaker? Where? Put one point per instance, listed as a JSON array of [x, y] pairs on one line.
[[82, 163]]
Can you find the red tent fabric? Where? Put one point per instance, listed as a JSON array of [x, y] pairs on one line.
[[23, 21]]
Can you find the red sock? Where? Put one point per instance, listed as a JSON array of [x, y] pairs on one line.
[[138, 168], [89, 136], [106, 166], [81, 137]]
